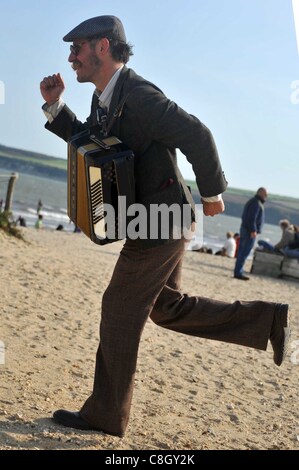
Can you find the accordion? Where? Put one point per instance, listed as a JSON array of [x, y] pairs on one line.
[[101, 186]]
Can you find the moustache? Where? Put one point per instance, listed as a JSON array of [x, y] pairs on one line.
[[76, 64]]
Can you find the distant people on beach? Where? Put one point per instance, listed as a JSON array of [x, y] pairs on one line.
[[288, 236], [253, 218], [229, 248], [292, 249], [202, 249], [39, 222], [39, 206], [21, 221]]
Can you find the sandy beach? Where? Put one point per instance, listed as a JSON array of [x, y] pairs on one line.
[[190, 393]]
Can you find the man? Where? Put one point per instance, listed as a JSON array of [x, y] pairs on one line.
[[252, 223], [146, 278]]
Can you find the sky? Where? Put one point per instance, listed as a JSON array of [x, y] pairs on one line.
[[232, 63]]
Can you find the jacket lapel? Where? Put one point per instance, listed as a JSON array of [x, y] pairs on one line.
[[117, 91]]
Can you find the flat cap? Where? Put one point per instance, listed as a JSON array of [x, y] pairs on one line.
[[105, 26]]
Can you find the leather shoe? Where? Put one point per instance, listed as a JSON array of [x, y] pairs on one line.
[[73, 419], [242, 277], [280, 333]]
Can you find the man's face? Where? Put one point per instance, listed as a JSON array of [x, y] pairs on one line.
[[85, 61], [264, 195]]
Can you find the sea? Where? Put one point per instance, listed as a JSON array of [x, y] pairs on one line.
[[53, 194]]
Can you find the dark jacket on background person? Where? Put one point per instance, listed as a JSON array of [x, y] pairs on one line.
[[294, 245], [253, 216]]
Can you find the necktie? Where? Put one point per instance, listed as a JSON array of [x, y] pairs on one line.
[[102, 119]]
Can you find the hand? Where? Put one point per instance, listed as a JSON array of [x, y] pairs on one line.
[[213, 208], [253, 235], [52, 88]]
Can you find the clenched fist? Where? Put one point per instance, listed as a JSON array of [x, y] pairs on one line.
[[52, 88], [213, 208]]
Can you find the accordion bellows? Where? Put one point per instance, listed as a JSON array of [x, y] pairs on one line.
[[99, 172]]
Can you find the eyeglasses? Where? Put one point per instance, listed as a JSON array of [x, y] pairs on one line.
[[75, 48]]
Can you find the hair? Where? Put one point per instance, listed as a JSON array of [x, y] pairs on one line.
[[120, 51], [262, 190], [284, 223]]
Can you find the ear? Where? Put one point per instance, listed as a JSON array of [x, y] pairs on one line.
[[103, 46]]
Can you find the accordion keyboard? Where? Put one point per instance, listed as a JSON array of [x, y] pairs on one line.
[[97, 201]]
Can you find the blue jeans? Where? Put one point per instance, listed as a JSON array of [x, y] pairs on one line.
[[245, 247], [291, 253], [266, 245]]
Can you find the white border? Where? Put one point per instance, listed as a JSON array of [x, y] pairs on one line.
[[296, 19]]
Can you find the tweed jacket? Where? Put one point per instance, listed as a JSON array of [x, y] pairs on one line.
[[154, 127]]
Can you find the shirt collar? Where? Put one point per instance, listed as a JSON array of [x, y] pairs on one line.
[[106, 96]]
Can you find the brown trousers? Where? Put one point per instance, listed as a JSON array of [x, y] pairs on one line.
[[146, 283]]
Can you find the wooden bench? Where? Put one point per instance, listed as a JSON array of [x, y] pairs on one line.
[[290, 268], [274, 265]]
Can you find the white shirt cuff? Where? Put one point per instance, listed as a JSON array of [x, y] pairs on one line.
[[213, 198], [51, 112]]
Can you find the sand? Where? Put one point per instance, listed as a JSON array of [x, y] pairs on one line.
[[190, 393]]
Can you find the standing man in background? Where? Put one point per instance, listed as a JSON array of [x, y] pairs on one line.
[[253, 218]]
